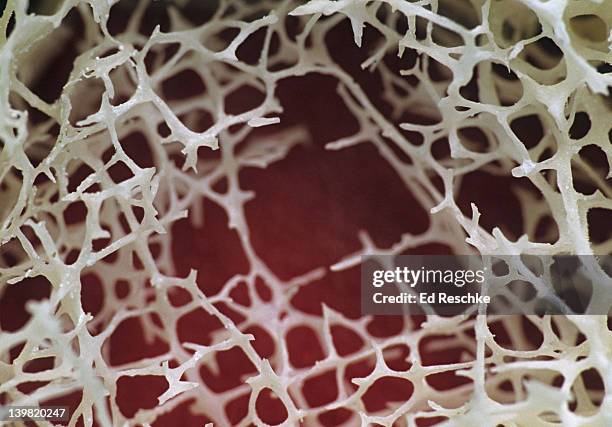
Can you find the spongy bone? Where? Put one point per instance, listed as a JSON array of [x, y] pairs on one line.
[[461, 40]]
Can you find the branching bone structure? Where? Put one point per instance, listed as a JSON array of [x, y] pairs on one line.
[[80, 208]]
